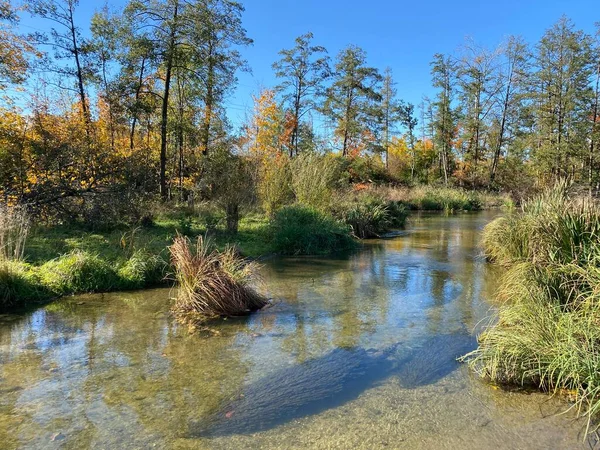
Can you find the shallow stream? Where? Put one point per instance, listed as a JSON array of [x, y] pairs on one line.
[[357, 352]]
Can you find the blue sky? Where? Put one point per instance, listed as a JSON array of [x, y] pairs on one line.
[[403, 35]]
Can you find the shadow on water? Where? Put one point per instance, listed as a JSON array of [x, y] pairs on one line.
[[332, 380]]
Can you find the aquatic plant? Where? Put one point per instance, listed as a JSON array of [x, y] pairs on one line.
[[212, 283], [301, 230], [547, 334]]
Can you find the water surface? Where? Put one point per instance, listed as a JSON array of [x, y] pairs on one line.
[[357, 352]]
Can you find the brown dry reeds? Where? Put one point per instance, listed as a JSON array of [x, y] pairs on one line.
[[14, 227], [211, 283]]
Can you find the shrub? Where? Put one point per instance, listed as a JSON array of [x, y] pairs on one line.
[[368, 214], [275, 183], [314, 177], [78, 272], [211, 283], [142, 269], [232, 184], [301, 230]]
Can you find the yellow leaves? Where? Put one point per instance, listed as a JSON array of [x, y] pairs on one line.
[[265, 133]]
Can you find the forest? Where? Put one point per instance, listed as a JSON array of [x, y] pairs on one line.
[[121, 169], [94, 127]]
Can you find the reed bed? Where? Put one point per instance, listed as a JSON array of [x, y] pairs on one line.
[[211, 283], [547, 333]]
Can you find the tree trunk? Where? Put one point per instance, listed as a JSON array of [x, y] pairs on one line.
[[165, 109], [595, 124], [233, 218]]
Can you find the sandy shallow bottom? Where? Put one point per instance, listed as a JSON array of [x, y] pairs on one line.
[[113, 371]]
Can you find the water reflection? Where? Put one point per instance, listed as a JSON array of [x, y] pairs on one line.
[[114, 371]]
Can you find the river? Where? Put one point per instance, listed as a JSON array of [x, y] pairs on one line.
[[357, 352]]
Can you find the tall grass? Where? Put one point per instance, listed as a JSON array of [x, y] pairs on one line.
[[369, 214], [211, 283], [548, 329], [433, 198], [14, 227], [301, 230], [314, 178]]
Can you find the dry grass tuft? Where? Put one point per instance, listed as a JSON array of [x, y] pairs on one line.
[[211, 283], [14, 227]]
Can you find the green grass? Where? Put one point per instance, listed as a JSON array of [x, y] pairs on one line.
[[369, 214], [64, 260], [548, 330], [301, 230]]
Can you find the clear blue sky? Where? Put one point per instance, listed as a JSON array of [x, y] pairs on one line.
[[397, 33]]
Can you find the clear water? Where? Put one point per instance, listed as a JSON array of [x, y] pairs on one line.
[[357, 352]]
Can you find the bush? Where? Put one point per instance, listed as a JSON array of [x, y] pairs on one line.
[[314, 177], [301, 230], [275, 183], [367, 169], [78, 272], [368, 214], [142, 269], [232, 184], [211, 283]]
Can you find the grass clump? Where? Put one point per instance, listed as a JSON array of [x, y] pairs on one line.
[[302, 230], [143, 269], [369, 214], [211, 283], [548, 329], [78, 272], [19, 284]]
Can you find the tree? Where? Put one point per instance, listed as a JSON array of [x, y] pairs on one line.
[[511, 77], [477, 94], [391, 110], [595, 115], [443, 72], [66, 40], [216, 34], [409, 121], [351, 99], [303, 69], [14, 48], [561, 95]]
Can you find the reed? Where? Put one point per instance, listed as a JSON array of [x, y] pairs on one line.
[[14, 228]]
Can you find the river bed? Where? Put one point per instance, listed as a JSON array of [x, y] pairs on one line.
[[356, 352]]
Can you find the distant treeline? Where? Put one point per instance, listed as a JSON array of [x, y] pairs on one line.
[[135, 107]]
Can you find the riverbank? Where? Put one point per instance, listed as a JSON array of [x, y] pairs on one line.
[[547, 332], [66, 260], [71, 259]]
